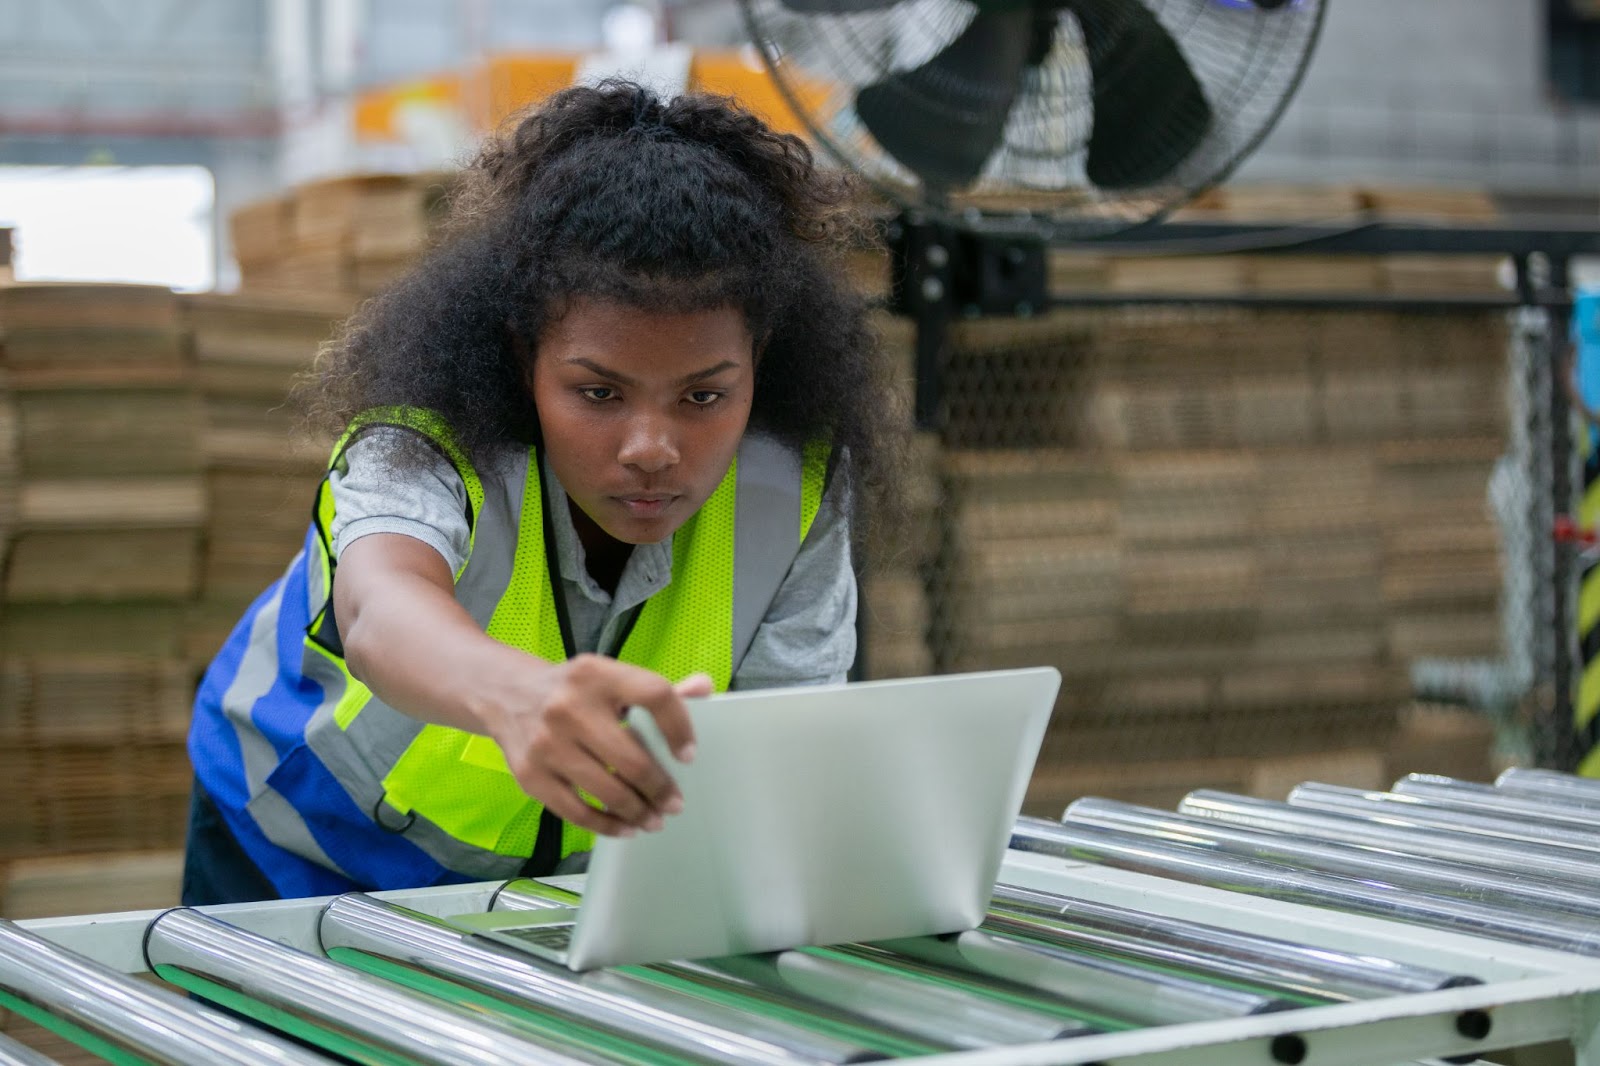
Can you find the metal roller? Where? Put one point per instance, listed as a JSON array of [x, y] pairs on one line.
[[1414, 811], [1472, 796], [132, 1014], [757, 1000], [526, 894], [1552, 786], [606, 998], [1121, 990], [1451, 880], [880, 953], [1318, 972], [1275, 881], [355, 1006], [15, 1054], [1560, 865], [920, 1007]]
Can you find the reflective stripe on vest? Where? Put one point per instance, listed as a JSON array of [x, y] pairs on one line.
[[448, 792]]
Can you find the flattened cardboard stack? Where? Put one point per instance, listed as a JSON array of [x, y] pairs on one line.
[[1413, 275], [90, 884], [354, 233], [8, 466], [1250, 526], [100, 561], [108, 461], [305, 258], [900, 546], [260, 469]]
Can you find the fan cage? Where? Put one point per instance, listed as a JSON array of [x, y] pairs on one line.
[[1249, 63]]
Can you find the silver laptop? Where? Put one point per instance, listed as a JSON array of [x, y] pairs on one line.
[[814, 815]]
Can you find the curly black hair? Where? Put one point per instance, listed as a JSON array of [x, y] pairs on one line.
[[609, 192]]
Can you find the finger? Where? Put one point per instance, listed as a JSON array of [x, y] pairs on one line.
[[563, 800], [695, 686], [644, 688], [618, 749], [621, 799]]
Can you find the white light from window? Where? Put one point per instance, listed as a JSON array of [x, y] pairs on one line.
[[152, 225]]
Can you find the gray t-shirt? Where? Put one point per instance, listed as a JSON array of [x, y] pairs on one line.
[[808, 636]]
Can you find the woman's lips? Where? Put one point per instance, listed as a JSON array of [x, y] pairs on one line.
[[646, 505]]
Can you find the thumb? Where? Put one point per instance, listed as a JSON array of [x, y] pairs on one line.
[[695, 685]]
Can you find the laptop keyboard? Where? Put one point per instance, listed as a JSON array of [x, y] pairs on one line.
[[550, 937]]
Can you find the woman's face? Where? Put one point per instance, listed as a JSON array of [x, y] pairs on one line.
[[642, 412]]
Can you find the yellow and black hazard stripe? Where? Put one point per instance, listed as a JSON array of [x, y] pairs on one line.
[[1586, 708]]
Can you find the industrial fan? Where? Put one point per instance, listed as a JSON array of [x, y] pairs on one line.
[[1091, 115], [999, 126]]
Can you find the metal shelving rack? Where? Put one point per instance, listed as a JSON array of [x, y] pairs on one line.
[[1529, 996]]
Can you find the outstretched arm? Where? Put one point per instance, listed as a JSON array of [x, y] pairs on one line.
[[559, 724]]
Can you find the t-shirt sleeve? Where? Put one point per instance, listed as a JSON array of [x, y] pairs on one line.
[[809, 634], [427, 503]]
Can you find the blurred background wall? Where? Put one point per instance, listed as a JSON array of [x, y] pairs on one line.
[[265, 93]]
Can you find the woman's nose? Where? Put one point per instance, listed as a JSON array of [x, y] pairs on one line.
[[649, 445]]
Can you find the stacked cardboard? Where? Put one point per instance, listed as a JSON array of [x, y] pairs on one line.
[[355, 233], [259, 466], [1425, 739], [305, 259], [1032, 569], [8, 466], [101, 558], [90, 884], [1296, 273], [1249, 526], [1441, 550], [894, 613], [899, 546], [109, 496]]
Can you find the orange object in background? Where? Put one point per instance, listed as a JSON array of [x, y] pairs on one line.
[[506, 84], [741, 75], [488, 94], [377, 111]]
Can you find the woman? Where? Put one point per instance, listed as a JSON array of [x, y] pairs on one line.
[[594, 455]]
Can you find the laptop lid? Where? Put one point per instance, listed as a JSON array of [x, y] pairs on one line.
[[822, 815]]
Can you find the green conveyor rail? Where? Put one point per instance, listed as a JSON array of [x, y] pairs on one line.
[[559, 1030], [874, 1038], [68, 1030], [351, 1047]]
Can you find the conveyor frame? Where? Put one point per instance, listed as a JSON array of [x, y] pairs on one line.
[[1530, 996]]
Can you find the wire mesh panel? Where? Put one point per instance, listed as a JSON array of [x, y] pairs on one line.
[[1234, 531]]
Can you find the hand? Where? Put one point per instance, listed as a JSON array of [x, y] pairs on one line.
[[561, 728]]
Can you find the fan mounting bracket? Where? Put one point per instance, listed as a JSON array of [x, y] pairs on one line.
[[939, 271]]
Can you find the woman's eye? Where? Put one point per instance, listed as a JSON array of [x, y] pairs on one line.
[[704, 397], [597, 393]]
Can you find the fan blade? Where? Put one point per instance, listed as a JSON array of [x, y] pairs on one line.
[[1149, 110], [945, 118], [837, 7]]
